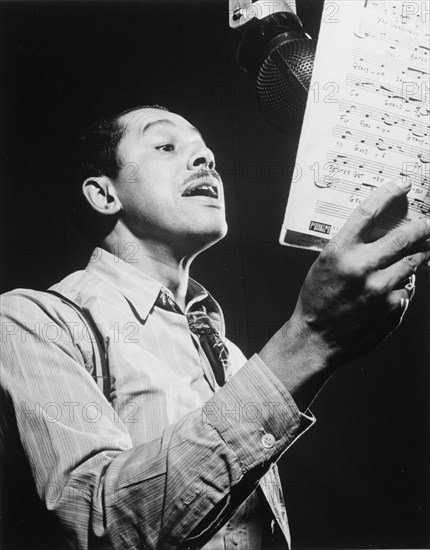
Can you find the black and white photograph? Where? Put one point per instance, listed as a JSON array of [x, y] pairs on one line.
[[215, 275]]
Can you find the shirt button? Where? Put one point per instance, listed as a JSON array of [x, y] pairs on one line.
[[268, 441]]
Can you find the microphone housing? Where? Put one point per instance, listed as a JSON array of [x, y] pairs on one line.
[[279, 55]]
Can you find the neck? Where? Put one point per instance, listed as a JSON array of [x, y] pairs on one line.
[[156, 260]]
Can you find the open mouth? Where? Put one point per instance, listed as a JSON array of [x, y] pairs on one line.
[[202, 189]]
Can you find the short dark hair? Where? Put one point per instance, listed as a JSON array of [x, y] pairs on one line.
[[99, 146], [96, 154]]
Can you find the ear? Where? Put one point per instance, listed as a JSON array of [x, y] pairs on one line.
[[101, 194]]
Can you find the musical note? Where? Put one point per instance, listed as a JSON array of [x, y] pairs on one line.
[[373, 167], [380, 61], [375, 86], [419, 205], [382, 144], [374, 31], [388, 118]]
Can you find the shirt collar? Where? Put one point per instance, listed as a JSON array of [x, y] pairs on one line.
[[141, 290]]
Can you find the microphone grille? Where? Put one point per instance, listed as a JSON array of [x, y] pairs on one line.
[[283, 82]]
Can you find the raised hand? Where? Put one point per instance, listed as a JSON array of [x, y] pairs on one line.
[[355, 293], [353, 297]]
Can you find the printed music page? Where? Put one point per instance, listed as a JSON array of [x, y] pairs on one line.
[[366, 121]]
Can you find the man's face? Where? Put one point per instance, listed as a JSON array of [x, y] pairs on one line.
[[168, 189]]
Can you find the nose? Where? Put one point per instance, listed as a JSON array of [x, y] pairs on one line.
[[201, 157]]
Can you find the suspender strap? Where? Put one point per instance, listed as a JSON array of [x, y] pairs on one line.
[[100, 372]]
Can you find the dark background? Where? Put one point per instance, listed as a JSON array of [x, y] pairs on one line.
[[360, 477]]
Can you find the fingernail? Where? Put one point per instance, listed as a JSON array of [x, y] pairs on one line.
[[404, 182]]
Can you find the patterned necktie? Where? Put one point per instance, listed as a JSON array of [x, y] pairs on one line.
[[210, 340]]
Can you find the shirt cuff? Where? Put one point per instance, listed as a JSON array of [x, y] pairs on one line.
[[255, 415]]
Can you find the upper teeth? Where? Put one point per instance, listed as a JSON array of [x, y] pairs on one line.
[[203, 186]]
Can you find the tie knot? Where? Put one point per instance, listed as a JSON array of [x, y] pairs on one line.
[[166, 301], [200, 323]]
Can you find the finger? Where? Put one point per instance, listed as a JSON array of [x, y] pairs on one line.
[[398, 301], [397, 275], [396, 305], [368, 211], [420, 246], [399, 243]]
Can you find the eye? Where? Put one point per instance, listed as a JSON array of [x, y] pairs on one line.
[[167, 147]]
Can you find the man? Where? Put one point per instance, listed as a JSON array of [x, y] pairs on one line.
[[180, 452]]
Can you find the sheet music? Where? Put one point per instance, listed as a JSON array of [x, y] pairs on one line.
[[366, 121]]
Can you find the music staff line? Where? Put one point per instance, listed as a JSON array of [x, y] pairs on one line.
[[375, 86], [376, 168], [383, 62], [344, 212], [382, 144], [372, 85], [362, 190], [396, 9], [388, 119], [367, 30]]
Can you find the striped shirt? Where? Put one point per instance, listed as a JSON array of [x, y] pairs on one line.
[[169, 459]]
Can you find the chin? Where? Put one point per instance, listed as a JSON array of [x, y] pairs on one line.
[[211, 236]]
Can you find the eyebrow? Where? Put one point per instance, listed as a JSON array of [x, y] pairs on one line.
[[164, 122]]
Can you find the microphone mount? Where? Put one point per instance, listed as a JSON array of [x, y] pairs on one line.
[[242, 11], [277, 53]]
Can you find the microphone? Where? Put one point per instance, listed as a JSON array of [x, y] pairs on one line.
[[276, 51]]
